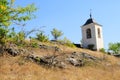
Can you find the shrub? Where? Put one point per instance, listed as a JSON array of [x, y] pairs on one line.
[[42, 37], [102, 50], [34, 43], [67, 42], [91, 46], [56, 33]]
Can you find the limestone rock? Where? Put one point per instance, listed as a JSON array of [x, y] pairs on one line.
[[76, 59]]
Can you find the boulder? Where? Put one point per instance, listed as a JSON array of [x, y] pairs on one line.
[[47, 60], [34, 57], [46, 47], [13, 51], [75, 62], [90, 57]]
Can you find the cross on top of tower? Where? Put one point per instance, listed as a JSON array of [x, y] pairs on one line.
[[91, 20], [90, 13]]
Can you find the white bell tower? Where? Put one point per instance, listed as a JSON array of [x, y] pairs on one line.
[[92, 36]]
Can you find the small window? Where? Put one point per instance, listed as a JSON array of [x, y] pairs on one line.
[[88, 33], [99, 36]]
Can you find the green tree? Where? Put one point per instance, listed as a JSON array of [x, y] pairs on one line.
[[56, 33], [10, 14], [11, 37], [42, 37], [3, 33], [114, 47]]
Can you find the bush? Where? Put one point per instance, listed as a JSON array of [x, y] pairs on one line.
[[91, 46], [56, 33], [34, 43], [67, 42], [102, 50], [42, 37]]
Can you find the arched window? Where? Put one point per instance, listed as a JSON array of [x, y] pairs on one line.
[[88, 33], [99, 36]]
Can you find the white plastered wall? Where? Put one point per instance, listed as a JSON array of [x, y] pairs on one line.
[[98, 42]]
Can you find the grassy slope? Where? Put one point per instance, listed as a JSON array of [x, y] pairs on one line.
[[16, 68]]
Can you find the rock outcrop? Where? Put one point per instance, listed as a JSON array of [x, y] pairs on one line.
[[46, 47], [14, 50], [76, 59], [62, 61]]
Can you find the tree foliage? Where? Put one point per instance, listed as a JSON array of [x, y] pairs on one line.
[[3, 33], [56, 33], [114, 47], [42, 37], [10, 14]]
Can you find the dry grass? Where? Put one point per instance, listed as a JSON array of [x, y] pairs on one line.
[[17, 68]]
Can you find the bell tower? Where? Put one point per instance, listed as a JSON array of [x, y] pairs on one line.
[[92, 36]]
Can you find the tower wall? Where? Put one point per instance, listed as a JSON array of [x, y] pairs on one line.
[[95, 40], [99, 40]]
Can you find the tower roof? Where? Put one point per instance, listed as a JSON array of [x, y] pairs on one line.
[[91, 20]]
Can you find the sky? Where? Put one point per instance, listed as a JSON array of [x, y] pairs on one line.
[[69, 15]]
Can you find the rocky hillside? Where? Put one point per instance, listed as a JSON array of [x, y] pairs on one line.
[[57, 62]]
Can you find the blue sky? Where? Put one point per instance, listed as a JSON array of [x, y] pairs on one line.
[[69, 15]]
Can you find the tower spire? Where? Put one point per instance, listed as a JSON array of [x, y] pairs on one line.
[[90, 13]]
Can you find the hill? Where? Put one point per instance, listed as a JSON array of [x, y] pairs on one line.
[[27, 65]]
